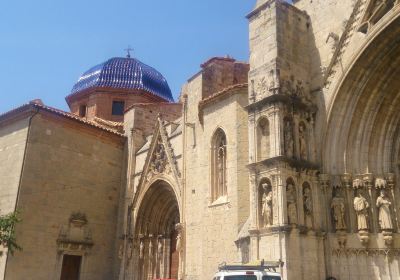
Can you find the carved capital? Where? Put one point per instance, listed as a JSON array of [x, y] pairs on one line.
[[346, 178], [324, 180], [380, 183], [390, 179], [358, 183], [368, 180]]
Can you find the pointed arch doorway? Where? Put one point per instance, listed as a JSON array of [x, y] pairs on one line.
[[158, 234]]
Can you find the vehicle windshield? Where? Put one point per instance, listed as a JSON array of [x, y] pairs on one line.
[[241, 277], [271, 278]]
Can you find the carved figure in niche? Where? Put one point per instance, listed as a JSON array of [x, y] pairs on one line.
[[288, 137], [361, 206], [385, 218], [303, 141], [308, 206], [141, 249], [338, 211], [291, 198], [267, 205]]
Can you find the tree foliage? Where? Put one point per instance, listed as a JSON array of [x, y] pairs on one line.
[[7, 232]]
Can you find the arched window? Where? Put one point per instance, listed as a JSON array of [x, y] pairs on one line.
[[218, 165], [263, 139]]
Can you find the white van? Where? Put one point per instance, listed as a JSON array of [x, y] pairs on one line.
[[248, 272]]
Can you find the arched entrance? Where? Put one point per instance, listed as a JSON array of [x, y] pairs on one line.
[[158, 234], [363, 119]]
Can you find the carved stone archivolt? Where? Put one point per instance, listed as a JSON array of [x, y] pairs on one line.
[[76, 236]]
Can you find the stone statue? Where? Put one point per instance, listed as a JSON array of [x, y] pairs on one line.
[[338, 212], [267, 206], [385, 219], [303, 141], [291, 198], [361, 206], [308, 207], [178, 242], [288, 139], [141, 249]]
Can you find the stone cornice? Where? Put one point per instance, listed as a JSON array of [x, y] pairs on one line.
[[283, 99]]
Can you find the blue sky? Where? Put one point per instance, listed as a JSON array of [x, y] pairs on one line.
[[45, 45]]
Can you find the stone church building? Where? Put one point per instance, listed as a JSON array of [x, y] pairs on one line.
[[292, 157]]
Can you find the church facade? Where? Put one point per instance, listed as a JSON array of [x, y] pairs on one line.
[[292, 157]]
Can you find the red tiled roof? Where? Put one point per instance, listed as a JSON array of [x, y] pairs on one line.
[[225, 91], [38, 105]]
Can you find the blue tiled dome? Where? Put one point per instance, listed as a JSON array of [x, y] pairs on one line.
[[124, 73]]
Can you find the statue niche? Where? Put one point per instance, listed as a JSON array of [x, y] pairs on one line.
[[291, 199], [361, 207], [266, 205], [383, 204], [288, 137], [308, 205], [263, 139], [338, 208], [303, 141]]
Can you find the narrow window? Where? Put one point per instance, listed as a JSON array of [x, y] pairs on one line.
[[118, 108], [218, 175], [82, 111]]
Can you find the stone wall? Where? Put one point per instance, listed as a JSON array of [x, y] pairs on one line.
[[12, 146], [212, 227], [68, 169]]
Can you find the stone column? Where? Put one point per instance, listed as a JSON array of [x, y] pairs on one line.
[[318, 216], [279, 183], [324, 185], [349, 191], [300, 205], [276, 132], [167, 259], [311, 138]]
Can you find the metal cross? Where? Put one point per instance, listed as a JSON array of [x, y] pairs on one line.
[[128, 50]]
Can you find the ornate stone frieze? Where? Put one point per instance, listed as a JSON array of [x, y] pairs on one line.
[[159, 160], [368, 252]]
